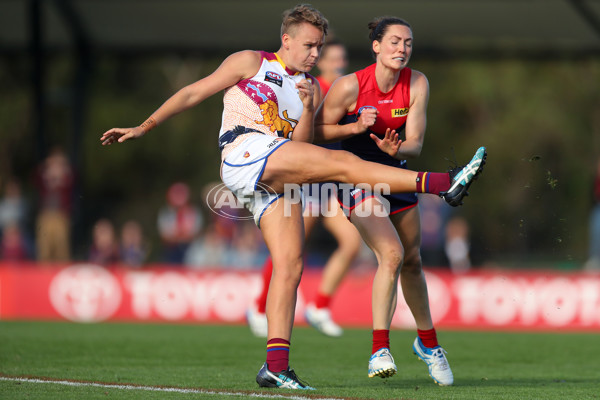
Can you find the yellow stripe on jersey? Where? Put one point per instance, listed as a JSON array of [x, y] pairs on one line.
[[423, 180], [283, 64]]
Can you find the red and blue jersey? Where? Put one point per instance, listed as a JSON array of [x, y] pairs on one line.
[[393, 108]]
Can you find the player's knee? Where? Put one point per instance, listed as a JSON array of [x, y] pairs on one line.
[[288, 270], [343, 160], [349, 248], [392, 259], [412, 263], [351, 251]]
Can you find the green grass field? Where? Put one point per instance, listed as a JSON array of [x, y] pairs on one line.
[[225, 359]]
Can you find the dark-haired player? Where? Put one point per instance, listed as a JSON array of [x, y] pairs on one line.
[[368, 110]]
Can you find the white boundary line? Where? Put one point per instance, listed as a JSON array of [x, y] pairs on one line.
[[158, 388]]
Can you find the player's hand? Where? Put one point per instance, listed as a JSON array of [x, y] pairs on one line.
[[121, 135], [366, 119], [390, 144], [306, 91]]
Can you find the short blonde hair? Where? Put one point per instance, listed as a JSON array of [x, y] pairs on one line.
[[303, 13]]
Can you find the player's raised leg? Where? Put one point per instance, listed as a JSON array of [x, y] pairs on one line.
[[298, 162]]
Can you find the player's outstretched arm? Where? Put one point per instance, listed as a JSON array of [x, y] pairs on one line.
[[236, 67]]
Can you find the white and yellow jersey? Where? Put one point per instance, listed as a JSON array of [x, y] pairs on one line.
[[268, 102]]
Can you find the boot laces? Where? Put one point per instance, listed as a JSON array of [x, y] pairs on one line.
[[440, 358]]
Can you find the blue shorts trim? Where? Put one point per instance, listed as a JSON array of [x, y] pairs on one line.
[[277, 197], [262, 170], [257, 160]]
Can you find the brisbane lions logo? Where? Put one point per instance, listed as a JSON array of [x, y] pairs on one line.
[[266, 100], [270, 112]]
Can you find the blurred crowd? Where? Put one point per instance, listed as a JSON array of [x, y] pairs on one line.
[[39, 228], [203, 235]]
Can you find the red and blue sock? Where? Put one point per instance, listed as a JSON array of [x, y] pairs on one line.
[[433, 182], [278, 354]]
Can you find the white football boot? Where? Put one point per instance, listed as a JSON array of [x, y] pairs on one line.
[[382, 364], [320, 319], [436, 361], [257, 322]]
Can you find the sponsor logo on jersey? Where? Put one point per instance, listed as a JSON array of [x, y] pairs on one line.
[[273, 143], [385, 101], [274, 77], [399, 112], [246, 155]]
